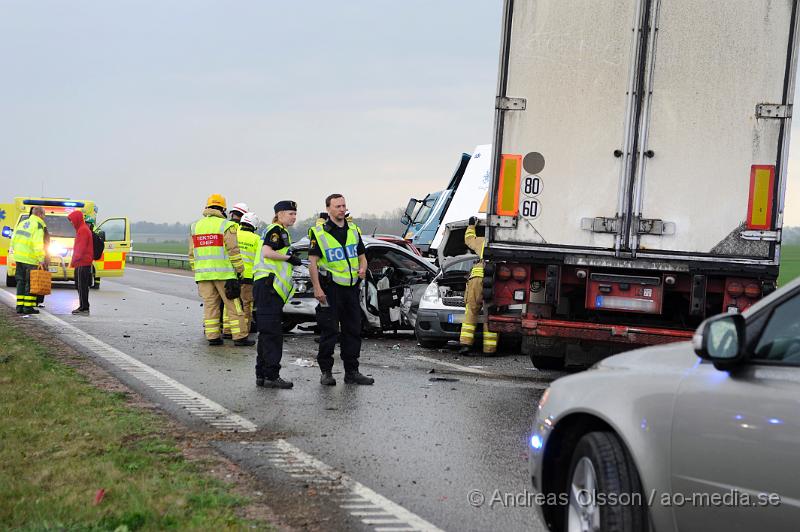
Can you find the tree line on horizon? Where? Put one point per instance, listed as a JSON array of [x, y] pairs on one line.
[[386, 223]]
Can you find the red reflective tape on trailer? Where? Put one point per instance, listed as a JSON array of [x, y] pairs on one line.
[[200, 241], [760, 201], [508, 188]]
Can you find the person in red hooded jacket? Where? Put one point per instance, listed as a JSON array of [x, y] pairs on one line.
[[82, 258]]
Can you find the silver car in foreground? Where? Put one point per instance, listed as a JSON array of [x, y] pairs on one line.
[[687, 436]]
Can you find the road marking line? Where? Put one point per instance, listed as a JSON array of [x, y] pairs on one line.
[[222, 418], [372, 500], [459, 367]]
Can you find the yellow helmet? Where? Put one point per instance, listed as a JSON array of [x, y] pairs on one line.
[[216, 200]]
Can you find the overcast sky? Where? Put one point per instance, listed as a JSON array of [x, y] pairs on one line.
[[149, 106]]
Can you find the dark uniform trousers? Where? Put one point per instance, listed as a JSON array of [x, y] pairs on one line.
[[269, 313], [23, 278], [343, 313]]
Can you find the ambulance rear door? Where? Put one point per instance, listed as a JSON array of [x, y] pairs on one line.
[[117, 245], [7, 211]]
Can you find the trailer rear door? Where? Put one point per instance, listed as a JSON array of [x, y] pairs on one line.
[[715, 168], [571, 61]]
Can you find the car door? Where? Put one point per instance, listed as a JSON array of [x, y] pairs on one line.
[[117, 245], [737, 435]]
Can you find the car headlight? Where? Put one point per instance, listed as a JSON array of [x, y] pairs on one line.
[[57, 249], [431, 294]]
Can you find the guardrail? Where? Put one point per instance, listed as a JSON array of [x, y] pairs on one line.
[[171, 260]]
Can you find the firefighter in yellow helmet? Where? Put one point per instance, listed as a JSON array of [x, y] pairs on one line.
[[217, 264], [474, 297]]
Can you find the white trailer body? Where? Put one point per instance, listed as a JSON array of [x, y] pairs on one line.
[[638, 167], [652, 129]]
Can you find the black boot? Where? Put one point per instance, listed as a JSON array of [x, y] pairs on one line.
[[244, 342], [465, 350], [278, 383], [30, 310], [20, 309], [355, 377], [260, 381], [327, 379], [227, 336], [215, 341]]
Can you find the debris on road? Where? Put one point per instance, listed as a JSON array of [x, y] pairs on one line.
[[304, 363], [443, 379]]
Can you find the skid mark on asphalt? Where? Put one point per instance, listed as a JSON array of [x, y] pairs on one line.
[[371, 508]]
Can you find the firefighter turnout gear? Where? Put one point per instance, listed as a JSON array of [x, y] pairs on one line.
[[249, 244], [27, 244], [215, 258], [473, 297]]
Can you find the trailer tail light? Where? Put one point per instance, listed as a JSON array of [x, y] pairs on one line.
[[740, 294], [519, 273], [760, 202], [752, 290], [503, 273], [508, 187], [735, 289]]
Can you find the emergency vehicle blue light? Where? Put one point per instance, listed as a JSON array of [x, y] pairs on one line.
[[536, 442], [7, 232], [53, 203], [775, 421]]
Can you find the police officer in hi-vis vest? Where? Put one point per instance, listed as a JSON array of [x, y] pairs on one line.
[[337, 265], [215, 258], [273, 288]]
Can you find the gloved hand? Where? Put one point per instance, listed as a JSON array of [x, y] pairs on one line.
[[472, 220], [294, 260]]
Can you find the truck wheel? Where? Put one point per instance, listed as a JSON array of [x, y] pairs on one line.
[[602, 470], [11, 281], [545, 353]]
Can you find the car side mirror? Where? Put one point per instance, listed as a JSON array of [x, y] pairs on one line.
[[405, 219], [721, 339]]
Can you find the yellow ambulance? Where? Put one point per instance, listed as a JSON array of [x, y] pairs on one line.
[[62, 237]]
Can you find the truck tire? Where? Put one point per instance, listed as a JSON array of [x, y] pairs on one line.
[[11, 281], [600, 463], [545, 353]]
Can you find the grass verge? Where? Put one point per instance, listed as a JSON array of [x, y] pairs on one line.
[[790, 264], [170, 246], [74, 457]]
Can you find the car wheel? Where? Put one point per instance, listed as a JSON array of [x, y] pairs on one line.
[[11, 281], [605, 492]]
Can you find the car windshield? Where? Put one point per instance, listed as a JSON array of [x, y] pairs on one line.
[[58, 226]]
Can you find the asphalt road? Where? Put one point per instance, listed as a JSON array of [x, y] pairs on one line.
[[424, 440]]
